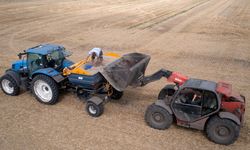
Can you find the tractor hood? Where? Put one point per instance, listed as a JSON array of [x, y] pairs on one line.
[[126, 71], [19, 64]]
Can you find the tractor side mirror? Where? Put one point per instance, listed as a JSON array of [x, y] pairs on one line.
[[19, 56]]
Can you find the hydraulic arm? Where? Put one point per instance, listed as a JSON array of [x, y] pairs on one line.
[[156, 76], [175, 77], [74, 68]]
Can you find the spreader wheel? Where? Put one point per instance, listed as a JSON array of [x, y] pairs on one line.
[[94, 110], [116, 95], [222, 131]]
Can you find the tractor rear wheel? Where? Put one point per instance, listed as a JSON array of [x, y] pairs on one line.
[[94, 110], [222, 131], [9, 86], [157, 117], [45, 89]]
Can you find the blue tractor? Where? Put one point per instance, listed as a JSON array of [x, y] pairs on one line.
[[45, 70], [39, 69]]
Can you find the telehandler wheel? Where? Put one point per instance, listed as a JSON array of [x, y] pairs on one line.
[[116, 95], [157, 117], [94, 110], [167, 91], [9, 85], [222, 131], [45, 89]]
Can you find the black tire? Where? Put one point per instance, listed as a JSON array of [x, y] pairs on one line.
[[15, 89], [157, 117], [222, 131], [94, 110], [168, 90], [116, 95], [50, 85]]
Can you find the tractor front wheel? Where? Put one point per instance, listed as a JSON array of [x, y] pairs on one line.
[[45, 89], [222, 131], [94, 110], [9, 86], [157, 117]]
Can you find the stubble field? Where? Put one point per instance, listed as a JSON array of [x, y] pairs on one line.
[[207, 39]]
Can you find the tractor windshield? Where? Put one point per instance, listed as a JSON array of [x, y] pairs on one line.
[[35, 62], [55, 59], [66, 53]]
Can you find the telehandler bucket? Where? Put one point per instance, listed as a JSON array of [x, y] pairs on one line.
[[126, 71]]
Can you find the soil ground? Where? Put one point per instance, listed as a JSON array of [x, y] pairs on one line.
[[207, 39]]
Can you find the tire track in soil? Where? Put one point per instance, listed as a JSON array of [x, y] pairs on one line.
[[58, 19], [55, 19], [179, 22], [165, 17], [36, 29], [70, 18], [214, 8]]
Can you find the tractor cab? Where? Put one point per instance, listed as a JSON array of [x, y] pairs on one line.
[[47, 56]]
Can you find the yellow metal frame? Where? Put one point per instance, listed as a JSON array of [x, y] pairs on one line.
[[75, 68]]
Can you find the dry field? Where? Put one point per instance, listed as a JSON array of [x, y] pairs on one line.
[[208, 39]]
